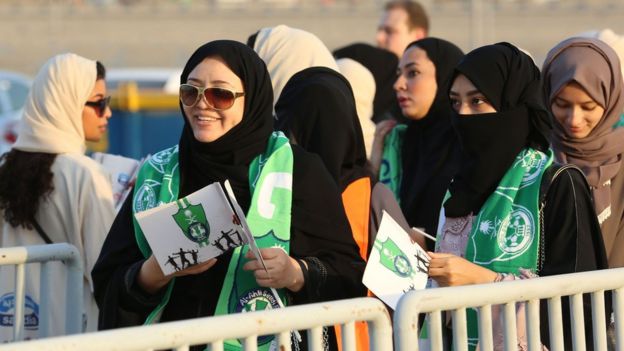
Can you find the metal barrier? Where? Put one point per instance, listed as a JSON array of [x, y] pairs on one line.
[[457, 299], [247, 326], [19, 256]]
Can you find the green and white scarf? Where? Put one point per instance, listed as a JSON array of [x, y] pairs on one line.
[[391, 168], [505, 235], [269, 216]]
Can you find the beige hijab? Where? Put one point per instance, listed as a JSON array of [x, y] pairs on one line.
[[287, 51], [363, 85], [595, 66], [52, 119]]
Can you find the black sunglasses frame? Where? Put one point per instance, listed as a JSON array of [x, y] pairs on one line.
[[101, 105]]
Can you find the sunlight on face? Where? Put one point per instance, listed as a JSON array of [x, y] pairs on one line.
[[208, 124], [416, 84], [576, 111]]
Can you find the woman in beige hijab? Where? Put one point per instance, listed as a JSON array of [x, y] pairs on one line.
[[583, 84], [286, 51], [50, 192], [363, 84]]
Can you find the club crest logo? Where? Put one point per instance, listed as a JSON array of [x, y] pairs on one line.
[[258, 300], [191, 219], [533, 162], [160, 159], [515, 233], [395, 260], [146, 196]]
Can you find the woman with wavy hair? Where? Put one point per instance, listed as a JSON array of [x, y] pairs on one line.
[[50, 192]]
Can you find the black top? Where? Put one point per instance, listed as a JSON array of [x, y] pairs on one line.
[[572, 243], [321, 236]]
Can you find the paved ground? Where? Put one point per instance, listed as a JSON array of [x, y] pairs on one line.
[[166, 35]]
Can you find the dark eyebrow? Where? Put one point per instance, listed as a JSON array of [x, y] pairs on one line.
[[211, 82], [470, 93], [580, 103]]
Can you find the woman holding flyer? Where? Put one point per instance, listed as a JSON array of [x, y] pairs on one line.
[[510, 212], [303, 234], [50, 192]]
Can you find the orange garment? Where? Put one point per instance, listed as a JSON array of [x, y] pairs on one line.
[[356, 200]]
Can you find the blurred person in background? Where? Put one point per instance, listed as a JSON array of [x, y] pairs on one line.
[[584, 87], [382, 65], [50, 192], [402, 22], [418, 160], [286, 51], [363, 85]]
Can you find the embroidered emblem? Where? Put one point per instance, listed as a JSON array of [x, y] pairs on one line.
[[515, 234]]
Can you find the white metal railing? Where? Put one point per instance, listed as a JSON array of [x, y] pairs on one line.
[[483, 296], [181, 335], [20, 256]]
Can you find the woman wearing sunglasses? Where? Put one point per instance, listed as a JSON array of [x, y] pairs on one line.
[[50, 192], [226, 100]]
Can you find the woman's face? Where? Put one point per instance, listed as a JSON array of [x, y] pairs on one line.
[[466, 99], [416, 85], [576, 111], [207, 123], [95, 116]]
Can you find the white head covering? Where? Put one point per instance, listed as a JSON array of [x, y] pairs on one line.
[[363, 85], [52, 119], [287, 51], [616, 42]]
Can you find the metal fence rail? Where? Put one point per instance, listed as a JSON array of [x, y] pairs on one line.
[[247, 326], [458, 299], [22, 255]]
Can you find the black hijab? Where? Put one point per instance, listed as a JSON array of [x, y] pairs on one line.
[[229, 156], [430, 156], [317, 111], [382, 64], [490, 142]]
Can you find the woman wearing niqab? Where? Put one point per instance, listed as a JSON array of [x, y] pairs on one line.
[[506, 216]]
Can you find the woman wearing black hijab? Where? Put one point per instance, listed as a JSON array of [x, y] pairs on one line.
[[316, 110], [226, 100], [507, 217], [420, 159]]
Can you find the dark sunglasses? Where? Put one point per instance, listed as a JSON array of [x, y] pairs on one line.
[[100, 105], [217, 98]]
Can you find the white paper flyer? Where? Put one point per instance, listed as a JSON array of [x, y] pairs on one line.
[[396, 264]]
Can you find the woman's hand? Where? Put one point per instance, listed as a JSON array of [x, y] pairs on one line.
[[381, 130], [450, 270], [282, 271], [151, 278]]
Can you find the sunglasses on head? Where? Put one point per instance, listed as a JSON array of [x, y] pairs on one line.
[[217, 98], [100, 105]]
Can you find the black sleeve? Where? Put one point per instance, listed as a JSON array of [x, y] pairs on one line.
[[321, 234], [121, 302], [572, 243]]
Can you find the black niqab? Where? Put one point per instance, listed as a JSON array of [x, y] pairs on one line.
[[490, 142], [317, 111], [430, 156], [229, 156]]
